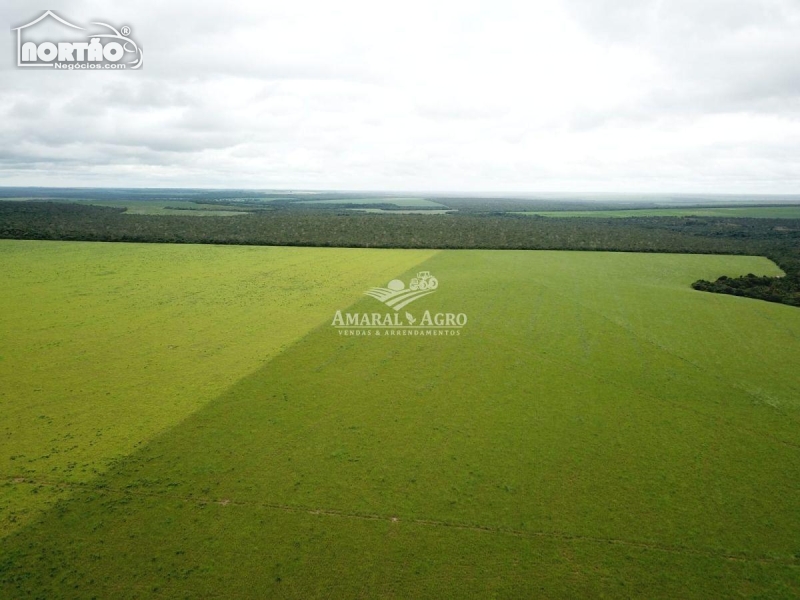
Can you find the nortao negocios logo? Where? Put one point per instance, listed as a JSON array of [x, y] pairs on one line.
[[400, 321], [50, 41]]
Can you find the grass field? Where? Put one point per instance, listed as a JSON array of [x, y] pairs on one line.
[[167, 207], [106, 345], [405, 202], [765, 212], [598, 428], [382, 211]]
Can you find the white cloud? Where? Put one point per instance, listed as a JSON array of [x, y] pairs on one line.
[[605, 95]]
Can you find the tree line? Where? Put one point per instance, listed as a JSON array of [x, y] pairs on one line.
[[777, 239]]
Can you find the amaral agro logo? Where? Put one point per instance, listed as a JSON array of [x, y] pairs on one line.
[[52, 42], [398, 322]]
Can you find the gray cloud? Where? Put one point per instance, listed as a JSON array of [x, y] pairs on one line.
[[717, 55], [577, 94]]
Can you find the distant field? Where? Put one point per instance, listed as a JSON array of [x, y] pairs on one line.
[[381, 211], [766, 212], [598, 429], [410, 202], [161, 207]]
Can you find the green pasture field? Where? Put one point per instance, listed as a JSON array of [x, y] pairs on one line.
[[405, 202], [161, 207], [103, 346], [383, 211], [765, 212], [198, 429]]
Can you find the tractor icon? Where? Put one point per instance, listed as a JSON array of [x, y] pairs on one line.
[[424, 281]]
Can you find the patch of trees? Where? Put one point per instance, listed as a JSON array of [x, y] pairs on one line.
[[785, 290], [777, 239], [68, 221]]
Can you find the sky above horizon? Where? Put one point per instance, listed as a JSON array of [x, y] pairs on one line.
[[573, 95]]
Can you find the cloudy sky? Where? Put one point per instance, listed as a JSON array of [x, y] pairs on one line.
[[570, 95]]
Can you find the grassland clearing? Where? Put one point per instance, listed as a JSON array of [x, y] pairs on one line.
[[404, 202], [105, 345], [384, 211], [167, 207], [598, 428]]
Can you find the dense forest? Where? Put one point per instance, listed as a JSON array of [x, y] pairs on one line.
[[777, 239]]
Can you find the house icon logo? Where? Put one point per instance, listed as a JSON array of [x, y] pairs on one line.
[[50, 41]]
